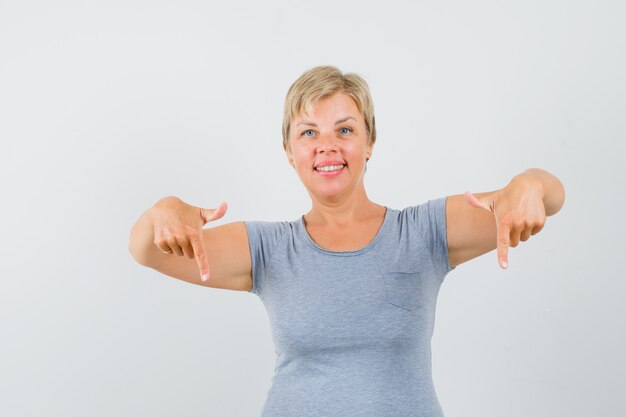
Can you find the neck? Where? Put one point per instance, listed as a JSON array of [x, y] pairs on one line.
[[341, 211]]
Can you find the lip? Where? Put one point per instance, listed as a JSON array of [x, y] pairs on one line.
[[327, 163], [330, 173]]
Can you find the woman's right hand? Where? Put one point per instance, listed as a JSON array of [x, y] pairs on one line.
[[178, 229]]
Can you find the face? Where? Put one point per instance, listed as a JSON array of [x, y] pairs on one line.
[[332, 136]]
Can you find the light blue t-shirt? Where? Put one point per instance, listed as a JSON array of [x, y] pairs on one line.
[[352, 330]]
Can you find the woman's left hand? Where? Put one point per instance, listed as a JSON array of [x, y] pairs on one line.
[[519, 211]]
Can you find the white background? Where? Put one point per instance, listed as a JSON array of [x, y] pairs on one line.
[[106, 107]]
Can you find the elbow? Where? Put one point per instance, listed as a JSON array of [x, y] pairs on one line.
[[136, 254], [556, 200]]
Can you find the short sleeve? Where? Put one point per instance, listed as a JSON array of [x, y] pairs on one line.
[[263, 237], [430, 218]]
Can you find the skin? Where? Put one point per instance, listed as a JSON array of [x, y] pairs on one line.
[[511, 214], [342, 217]]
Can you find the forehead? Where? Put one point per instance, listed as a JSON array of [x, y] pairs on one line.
[[337, 105]]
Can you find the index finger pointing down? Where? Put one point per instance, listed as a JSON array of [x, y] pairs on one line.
[[503, 242], [200, 254]]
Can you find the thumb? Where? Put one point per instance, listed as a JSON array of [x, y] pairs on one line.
[[477, 202], [213, 214]]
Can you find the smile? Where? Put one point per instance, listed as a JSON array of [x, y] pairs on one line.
[[329, 170]]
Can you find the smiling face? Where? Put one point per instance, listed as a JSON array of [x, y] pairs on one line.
[[328, 148]]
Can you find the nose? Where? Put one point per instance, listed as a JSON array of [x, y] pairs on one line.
[[327, 143]]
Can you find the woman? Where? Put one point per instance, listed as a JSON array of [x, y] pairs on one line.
[[350, 287]]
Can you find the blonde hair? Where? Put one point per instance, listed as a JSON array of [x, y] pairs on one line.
[[322, 82]]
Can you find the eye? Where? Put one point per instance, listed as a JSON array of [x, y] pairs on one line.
[[307, 131], [345, 130]]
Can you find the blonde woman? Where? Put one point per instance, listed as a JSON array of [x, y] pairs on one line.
[[350, 287]]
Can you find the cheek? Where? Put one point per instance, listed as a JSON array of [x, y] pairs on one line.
[[303, 151], [355, 151], [303, 157]]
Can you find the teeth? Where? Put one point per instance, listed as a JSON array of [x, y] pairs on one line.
[[329, 168]]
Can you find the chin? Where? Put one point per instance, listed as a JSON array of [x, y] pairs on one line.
[[329, 192]]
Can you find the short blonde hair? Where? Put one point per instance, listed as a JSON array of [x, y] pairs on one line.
[[322, 82]]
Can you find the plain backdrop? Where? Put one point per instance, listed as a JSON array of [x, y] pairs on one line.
[[108, 106]]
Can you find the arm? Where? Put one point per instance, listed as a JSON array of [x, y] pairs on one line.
[[479, 223], [226, 249]]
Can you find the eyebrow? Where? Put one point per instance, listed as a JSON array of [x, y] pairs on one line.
[[305, 122]]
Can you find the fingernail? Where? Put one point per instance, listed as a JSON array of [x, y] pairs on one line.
[[204, 277], [504, 264]]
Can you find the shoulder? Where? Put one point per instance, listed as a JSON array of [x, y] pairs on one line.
[[265, 239], [267, 233], [425, 215], [264, 226]]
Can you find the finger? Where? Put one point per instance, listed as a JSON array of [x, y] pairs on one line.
[[526, 234], [188, 249], [162, 245], [537, 229], [514, 237], [200, 254], [475, 202], [503, 245], [208, 215], [176, 249], [166, 242], [164, 248]]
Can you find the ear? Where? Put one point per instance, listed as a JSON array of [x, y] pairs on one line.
[[289, 156], [370, 149]]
